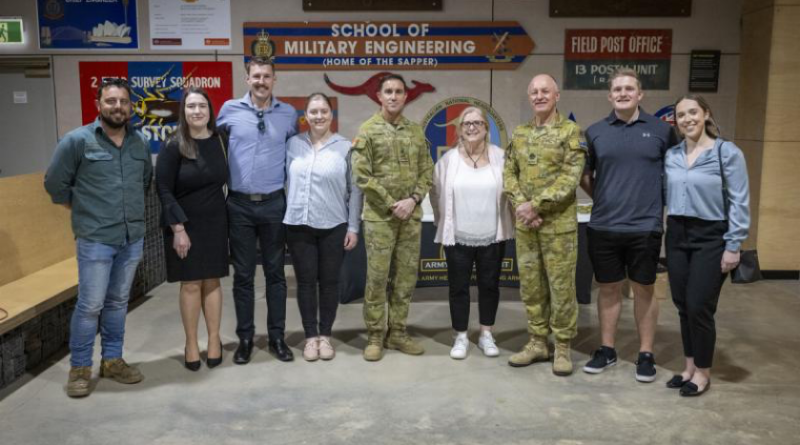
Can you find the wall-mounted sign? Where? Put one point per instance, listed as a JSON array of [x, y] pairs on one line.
[[440, 124], [198, 24], [371, 86], [592, 55], [368, 5], [389, 45], [10, 30], [107, 24], [157, 89], [620, 8], [704, 71]]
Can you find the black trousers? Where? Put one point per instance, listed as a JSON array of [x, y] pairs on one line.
[[317, 259], [249, 221], [694, 252], [487, 261]]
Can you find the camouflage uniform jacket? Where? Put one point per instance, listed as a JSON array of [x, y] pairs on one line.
[[543, 166], [391, 163]]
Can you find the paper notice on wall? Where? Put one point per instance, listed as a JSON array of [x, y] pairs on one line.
[[200, 24]]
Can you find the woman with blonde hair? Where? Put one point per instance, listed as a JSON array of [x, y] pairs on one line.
[[473, 220]]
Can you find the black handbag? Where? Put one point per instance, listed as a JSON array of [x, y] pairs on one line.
[[748, 270]]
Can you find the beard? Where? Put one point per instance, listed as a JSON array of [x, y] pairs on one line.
[[116, 125]]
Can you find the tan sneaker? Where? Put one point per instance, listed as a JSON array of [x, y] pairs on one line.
[[326, 351], [562, 363], [374, 350], [80, 381], [403, 343], [118, 370], [534, 351], [311, 350]]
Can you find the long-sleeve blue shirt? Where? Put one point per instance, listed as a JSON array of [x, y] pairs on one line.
[[257, 157], [696, 191], [320, 188]]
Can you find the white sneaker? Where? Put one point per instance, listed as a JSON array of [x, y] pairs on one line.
[[486, 344], [460, 347]]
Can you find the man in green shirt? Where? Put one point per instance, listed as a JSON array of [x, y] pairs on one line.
[[101, 172], [393, 167], [543, 166]]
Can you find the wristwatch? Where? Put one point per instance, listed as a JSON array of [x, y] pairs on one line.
[[416, 198]]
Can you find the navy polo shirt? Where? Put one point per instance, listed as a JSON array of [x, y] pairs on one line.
[[627, 160]]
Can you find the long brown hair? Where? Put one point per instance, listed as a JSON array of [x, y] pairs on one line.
[[186, 145], [711, 127]]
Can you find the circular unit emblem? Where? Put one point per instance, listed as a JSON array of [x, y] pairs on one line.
[[440, 124], [667, 114]]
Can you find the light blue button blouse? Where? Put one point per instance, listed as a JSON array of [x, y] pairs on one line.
[[696, 191], [320, 189]]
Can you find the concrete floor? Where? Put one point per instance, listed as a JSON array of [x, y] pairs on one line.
[[755, 398]]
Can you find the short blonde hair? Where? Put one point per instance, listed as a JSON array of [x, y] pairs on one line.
[[624, 72], [468, 110]]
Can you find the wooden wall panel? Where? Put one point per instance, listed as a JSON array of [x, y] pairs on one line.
[[779, 207], [753, 69], [34, 232], [783, 111]]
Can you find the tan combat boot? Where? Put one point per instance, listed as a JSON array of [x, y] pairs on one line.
[[534, 351], [118, 370], [562, 363], [374, 350], [400, 341], [80, 381]]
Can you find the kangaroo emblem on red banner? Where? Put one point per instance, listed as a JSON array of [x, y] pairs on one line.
[[371, 86]]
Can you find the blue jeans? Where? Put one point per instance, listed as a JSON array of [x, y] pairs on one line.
[[105, 275]]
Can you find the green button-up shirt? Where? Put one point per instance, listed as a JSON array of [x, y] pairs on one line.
[[390, 163], [105, 185], [543, 166]]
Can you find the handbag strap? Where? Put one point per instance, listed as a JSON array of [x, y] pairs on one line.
[[724, 182], [224, 149]]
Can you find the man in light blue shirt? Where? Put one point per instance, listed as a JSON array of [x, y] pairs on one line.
[[258, 126]]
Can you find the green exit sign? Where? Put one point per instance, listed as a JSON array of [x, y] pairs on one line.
[[10, 30]]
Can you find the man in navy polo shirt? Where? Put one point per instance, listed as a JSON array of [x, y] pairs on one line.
[[259, 126], [624, 178]]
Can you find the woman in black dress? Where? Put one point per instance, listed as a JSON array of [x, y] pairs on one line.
[[190, 174]]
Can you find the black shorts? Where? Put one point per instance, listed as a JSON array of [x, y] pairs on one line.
[[615, 255]]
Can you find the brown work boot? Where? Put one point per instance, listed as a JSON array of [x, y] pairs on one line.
[[374, 350], [562, 363], [401, 341], [80, 381], [117, 369], [533, 351]]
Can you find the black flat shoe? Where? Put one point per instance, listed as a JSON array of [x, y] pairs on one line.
[[191, 366], [676, 382], [281, 350], [691, 390], [214, 362], [242, 354]]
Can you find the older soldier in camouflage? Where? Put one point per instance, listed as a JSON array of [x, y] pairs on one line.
[[393, 167], [543, 166]]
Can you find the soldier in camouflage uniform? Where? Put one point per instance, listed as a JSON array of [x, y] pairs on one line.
[[543, 166], [392, 165]]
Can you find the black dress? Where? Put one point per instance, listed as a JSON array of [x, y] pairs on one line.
[[191, 193]]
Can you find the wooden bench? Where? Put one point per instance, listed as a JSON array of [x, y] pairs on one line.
[[38, 268]]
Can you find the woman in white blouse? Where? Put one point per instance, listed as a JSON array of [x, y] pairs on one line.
[[473, 220], [323, 210]]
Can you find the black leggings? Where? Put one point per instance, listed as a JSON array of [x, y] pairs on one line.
[[317, 258], [487, 261], [694, 253]]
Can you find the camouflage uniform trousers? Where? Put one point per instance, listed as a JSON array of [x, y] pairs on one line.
[[392, 257], [547, 264]]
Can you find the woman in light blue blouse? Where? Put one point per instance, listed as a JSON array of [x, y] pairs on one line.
[[323, 210], [706, 225]]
